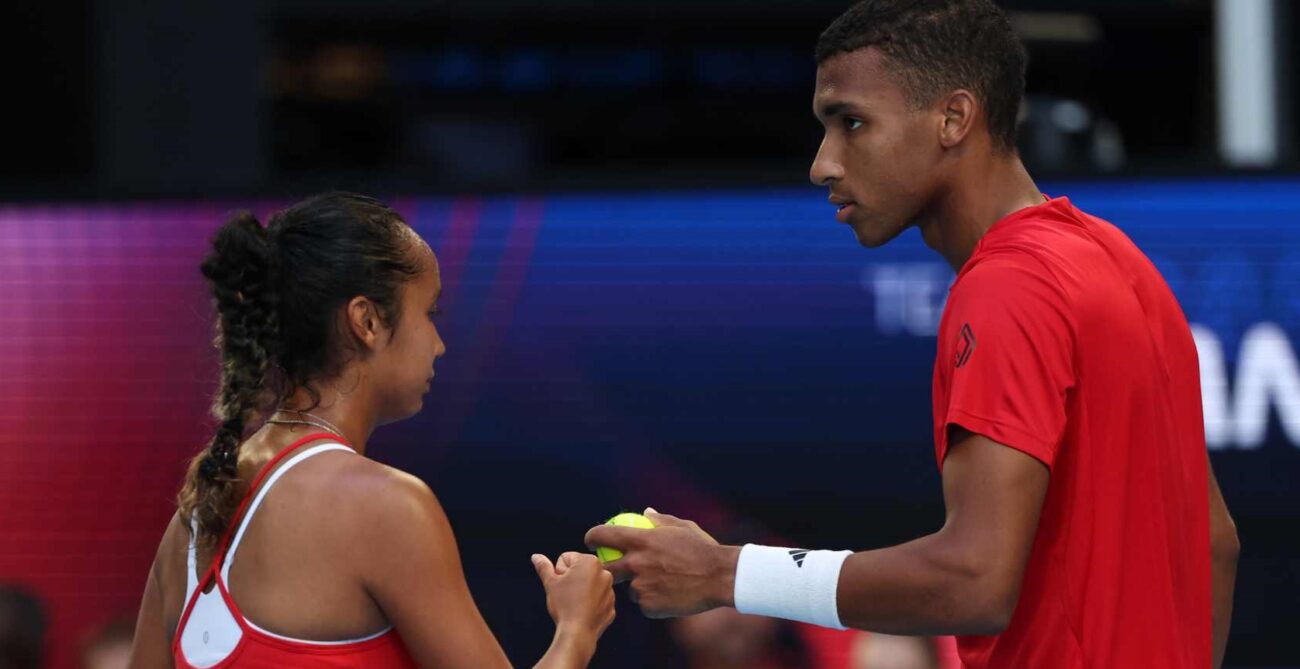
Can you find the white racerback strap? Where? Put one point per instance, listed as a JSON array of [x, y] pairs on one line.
[[191, 561], [257, 501]]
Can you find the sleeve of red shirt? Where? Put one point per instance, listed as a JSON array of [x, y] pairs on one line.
[[1016, 356]]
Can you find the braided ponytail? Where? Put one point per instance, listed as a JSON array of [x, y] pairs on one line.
[[241, 271]]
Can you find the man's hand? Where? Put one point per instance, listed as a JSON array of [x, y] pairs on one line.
[[675, 569]]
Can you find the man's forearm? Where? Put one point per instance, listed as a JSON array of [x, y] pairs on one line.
[[933, 585], [963, 579]]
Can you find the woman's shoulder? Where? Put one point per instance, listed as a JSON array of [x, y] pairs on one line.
[[369, 483], [368, 498]]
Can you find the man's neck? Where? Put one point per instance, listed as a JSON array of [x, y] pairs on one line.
[[981, 196]]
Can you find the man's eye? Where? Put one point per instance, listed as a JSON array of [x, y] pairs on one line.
[[852, 123]]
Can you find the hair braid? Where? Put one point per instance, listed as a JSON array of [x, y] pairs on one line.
[[241, 271]]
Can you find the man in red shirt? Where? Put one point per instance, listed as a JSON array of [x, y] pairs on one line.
[[1084, 526]]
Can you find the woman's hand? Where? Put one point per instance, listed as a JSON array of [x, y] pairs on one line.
[[579, 594]]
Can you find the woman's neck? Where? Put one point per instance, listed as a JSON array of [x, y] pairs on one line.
[[349, 414]]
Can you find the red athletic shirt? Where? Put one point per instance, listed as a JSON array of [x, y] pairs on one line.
[[1060, 339]]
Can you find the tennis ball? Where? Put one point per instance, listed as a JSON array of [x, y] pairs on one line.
[[622, 520]]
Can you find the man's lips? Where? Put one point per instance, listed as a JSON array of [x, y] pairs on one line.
[[843, 207]]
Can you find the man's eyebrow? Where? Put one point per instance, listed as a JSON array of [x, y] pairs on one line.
[[835, 108]]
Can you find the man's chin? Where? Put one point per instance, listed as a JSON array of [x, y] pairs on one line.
[[873, 237]]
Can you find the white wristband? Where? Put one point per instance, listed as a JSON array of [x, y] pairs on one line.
[[790, 583]]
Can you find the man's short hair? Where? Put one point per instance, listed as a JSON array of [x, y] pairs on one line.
[[938, 46]]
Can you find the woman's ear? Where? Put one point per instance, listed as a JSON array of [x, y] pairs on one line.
[[363, 322]]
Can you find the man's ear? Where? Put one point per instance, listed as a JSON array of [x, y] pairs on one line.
[[362, 320], [960, 110]]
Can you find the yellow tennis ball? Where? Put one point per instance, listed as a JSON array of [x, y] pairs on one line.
[[637, 520]]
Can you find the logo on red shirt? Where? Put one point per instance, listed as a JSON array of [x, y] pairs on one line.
[[966, 346]]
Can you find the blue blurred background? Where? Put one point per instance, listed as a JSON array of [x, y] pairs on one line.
[[735, 354], [645, 303]]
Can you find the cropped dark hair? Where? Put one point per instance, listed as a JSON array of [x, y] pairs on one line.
[[938, 46], [277, 291]]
